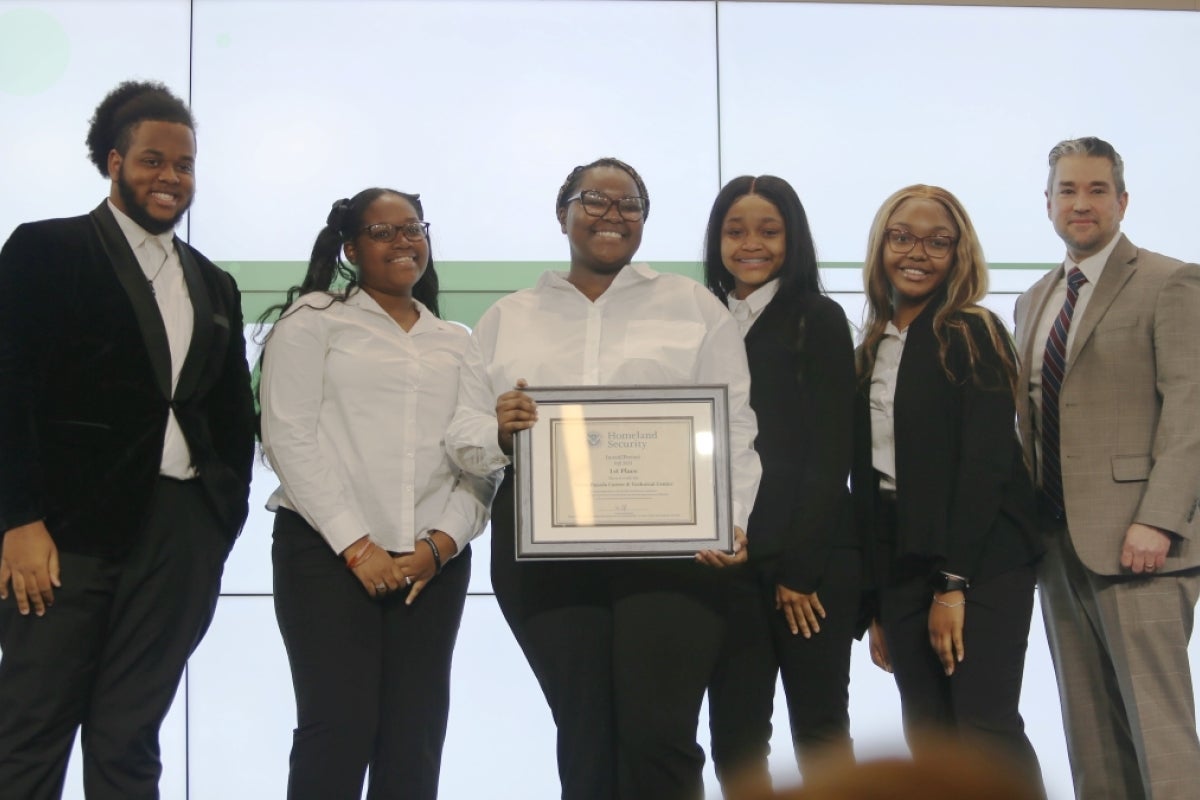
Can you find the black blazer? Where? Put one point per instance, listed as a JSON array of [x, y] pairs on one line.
[[964, 499], [802, 389], [85, 385]]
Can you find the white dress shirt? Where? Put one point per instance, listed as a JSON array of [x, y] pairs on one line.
[[647, 328], [175, 306], [1091, 267], [353, 414], [883, 404], [746, 312]]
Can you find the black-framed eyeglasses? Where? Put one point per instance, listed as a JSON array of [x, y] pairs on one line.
[[935, 246], [386, 231], [597, 204]]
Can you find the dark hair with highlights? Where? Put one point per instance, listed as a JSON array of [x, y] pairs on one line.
[[576, 177], [132, 102], [955, 302], [799, 273]]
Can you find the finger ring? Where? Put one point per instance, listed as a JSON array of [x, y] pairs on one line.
[[408, 580], [379, 587]]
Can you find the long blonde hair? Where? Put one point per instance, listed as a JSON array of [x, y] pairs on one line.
[[965, 285]]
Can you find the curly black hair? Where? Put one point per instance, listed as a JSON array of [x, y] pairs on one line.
[[111, 126]]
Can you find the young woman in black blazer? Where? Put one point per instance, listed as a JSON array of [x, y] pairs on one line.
[[944, 496], [800, 592]]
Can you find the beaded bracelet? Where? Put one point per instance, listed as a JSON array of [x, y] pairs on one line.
[[437, 554]]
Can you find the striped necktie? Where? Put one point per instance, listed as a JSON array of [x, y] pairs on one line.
[[1054, 363]]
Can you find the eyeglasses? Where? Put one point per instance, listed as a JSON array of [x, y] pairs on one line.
[[597, 204], [386, 231], [935, 246]]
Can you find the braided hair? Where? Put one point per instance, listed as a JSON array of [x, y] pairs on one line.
[[576, 177]]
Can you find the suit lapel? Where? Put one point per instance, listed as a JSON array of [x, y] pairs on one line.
[[1028, 350], [133, 281], [202, 331], [1117, 271]]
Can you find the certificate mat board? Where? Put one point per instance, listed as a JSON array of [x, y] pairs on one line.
[[624, 472]]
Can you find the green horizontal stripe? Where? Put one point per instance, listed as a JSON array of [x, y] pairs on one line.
[[490, 276], [468, 288]]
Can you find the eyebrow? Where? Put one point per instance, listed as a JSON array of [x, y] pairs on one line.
[[909, 228], [154, 151]]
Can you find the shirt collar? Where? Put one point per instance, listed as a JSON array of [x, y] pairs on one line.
[[1093, 266], [135, 234], [629, 275], [758, 299], [890, 329], [427, 320]]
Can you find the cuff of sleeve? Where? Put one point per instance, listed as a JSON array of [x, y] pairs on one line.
[[482, 461], [741, 515], [344, 530], [457, 529]]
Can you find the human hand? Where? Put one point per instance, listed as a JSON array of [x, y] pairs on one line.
[[29, 560], [879, 648], [373, 567], [419, 566], [801, 610], [947, 612], [515, 411], [1144, 549], [719, 558]]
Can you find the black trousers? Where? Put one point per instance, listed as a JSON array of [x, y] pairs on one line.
[[371, 677], [815, 674], [623, 653], [979, 703], [107, 658]]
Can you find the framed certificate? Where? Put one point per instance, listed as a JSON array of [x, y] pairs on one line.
[[624, 472]]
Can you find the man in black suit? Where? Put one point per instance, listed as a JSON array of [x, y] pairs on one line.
[[126, 439]]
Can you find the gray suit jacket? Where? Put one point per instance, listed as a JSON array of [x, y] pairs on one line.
[[1129, 406]]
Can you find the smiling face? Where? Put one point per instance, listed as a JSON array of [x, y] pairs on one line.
[[154, 181], [753, 243], [388, 269], [1084, 204], [602, 245], [917, 274]]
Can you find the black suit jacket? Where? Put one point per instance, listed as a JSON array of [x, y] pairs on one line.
[[85, 385], [802, 390], [964, 499]]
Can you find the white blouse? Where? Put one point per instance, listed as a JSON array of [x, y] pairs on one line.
[[354, 411], [883, 404], [647, 328]]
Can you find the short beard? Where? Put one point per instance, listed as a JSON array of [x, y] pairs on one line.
[[139, 214]]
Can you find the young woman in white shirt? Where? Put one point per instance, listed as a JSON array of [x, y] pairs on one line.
[[622, 650], [371, 561]]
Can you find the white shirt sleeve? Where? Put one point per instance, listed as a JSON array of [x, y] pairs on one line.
[[471, 439], [722, 359], [291, 395]]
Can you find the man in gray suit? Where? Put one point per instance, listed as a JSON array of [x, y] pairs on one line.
[[1109, 414]]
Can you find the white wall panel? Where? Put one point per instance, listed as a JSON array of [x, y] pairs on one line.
[[852, 102], [57, 62], [483, 107]]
